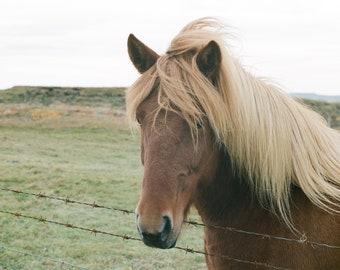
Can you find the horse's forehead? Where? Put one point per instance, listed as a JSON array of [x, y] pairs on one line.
[[149, 104]]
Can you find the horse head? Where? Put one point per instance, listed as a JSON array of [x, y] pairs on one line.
[[176, 156]]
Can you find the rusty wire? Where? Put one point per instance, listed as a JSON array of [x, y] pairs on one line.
[[67, 200], [302, 240], [126, 237]]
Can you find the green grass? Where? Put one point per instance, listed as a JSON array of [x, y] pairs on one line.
[[91, 157], [74, 142]]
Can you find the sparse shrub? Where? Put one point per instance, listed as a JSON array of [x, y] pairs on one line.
[[44, 113]]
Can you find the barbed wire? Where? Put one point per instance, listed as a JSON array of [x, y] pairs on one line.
[[302, 240], [67, 200], [57, 261], [126, 237]]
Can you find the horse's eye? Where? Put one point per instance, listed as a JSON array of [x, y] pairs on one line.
[[199, 126], [139, 121]]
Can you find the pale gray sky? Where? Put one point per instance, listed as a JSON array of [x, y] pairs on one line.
[[295, 43]]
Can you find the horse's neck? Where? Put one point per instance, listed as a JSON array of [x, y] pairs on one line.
[[227, 201], [225, 197]]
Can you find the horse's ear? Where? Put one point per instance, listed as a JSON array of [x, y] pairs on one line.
[[209, 60], [141, 56]]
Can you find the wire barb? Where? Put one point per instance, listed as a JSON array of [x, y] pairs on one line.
[[67, 200]]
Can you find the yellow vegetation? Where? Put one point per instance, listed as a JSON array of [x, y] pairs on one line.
[[44, 113]]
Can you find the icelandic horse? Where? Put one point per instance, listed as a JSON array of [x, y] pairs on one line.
[[240, 150]]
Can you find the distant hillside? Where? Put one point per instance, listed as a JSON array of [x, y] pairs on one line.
[[93, 96], [329, 110], [115, 97], [313, 96]]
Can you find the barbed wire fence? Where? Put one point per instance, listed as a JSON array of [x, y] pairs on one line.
[[303, 240]]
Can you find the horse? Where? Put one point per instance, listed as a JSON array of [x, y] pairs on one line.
[[239, 149]]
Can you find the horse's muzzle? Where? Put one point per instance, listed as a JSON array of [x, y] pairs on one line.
[[158, 239]]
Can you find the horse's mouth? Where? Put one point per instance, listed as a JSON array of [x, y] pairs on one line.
[[159, 244], [163, 237], [158, 240]]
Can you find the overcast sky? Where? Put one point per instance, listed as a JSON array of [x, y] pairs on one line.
[[295, 43]]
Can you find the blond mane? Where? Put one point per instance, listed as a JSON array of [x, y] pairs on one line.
[[270, 137]]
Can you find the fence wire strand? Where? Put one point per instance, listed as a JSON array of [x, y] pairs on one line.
[[67, 200], [126, 237], [302, 240]]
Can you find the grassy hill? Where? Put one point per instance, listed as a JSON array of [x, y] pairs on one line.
[[93, 97], [312, 96], [330, 111], [114, 97]]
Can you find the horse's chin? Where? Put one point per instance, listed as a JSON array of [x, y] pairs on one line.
[[168, 245]]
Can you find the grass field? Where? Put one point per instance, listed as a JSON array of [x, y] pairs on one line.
[[74, 143], [87, 154]]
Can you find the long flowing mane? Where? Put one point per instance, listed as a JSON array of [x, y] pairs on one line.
[[275, 141]]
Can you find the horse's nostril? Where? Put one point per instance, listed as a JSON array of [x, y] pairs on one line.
[[167, 228]]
